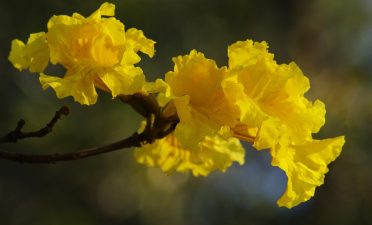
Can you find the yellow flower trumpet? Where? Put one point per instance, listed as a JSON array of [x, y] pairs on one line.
[[96, 52]]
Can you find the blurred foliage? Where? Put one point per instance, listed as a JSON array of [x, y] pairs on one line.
[[330, 40]]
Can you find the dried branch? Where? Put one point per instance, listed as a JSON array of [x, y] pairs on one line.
[[132, 141], [157, 126], [18, 134]]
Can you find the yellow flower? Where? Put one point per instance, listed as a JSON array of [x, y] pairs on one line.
[[213, 153], [267, 92], [305, 166], [195, 89], [96, 52], [275, 114]]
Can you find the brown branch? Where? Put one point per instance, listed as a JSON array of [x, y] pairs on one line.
[[133, 141], [150, 134], [18, 134], [158, 126]]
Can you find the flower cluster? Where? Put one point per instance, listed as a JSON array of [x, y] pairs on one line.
[[252, 99], [95, 51]]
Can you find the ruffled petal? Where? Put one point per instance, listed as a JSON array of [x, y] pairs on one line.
[[194, 75], [249, 111], [214, 153], [159, 86], [137, 41], [80, 88], [33, 56], [123, 80], [246, 53], [191, 132], [17, 55], [86, 44], [305, 166], [268, 134], [106, 9]]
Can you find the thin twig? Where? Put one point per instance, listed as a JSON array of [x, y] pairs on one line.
[[158, 126], [18, 134], [133, 141]]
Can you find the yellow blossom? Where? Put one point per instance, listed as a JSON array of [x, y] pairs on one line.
[[195, 89], [96, 51], [275, 114], [212, 153], [264, 90], [305, 166]]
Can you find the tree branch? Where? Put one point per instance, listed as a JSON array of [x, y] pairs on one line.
[[133, 141], [157, 126], [18, 134]]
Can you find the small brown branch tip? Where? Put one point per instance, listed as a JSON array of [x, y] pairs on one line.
[[64, 110], [18, 134]]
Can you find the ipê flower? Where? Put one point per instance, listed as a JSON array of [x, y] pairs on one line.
[[275, 115], [201, 142], [194, 87], [254, 99], [213, 153], [305, 165], [96, 51], [265, 92]]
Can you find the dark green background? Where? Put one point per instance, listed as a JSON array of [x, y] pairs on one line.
[[331, 40]]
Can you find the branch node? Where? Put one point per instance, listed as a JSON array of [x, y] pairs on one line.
[[64, 110]]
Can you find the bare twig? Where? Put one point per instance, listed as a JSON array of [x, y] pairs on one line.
[[132, 141], [135, 140], [18, 134], [158, 126]]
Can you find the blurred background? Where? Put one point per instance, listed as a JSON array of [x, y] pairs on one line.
[[331, 40]]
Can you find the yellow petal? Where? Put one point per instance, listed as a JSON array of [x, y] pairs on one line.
[[214, 153], [159, 86], [86, 44], [106, 9], [80, 88], [137, 41], [123, 80], [33, 56], [194, 75], [108, 45], [269, 134], [250, 112], [305, 166], [246, 53], [17, 55], [64, 20], [130, 57], [193, 131]]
